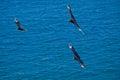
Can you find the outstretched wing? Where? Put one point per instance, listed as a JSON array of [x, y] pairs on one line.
[[78, 27], [81, 64], [74, 52], [70, 11]]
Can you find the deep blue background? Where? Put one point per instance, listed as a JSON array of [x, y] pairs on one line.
[[42, 52]]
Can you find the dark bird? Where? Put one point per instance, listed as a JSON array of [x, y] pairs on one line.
[[72, 19], [76, 56], [20, 27]]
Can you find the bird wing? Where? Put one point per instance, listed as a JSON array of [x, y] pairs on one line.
[[76, 56], [81, 64], [70, 11], [78, 27]]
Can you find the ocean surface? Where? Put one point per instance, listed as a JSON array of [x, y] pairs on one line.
[[42, 52]]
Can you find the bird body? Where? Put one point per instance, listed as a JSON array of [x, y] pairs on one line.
[[76, 56], [20, 27], [73, 20]]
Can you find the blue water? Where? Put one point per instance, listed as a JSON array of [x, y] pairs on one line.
[[42, 52]]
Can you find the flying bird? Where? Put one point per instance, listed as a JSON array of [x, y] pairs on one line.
[[20, 27], [72, 19], [76, 56]]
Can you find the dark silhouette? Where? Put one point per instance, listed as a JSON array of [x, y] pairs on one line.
[[77, 57], [72, 19], [20, 27]]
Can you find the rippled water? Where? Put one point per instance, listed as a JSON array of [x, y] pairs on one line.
[[42, 52]]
